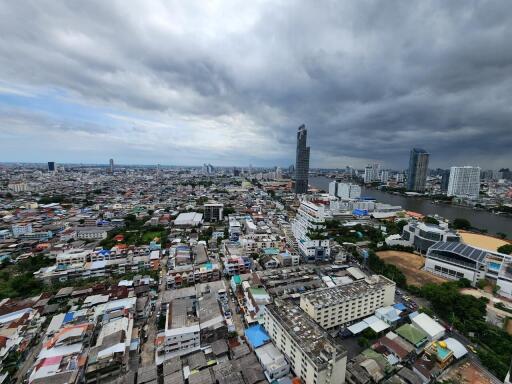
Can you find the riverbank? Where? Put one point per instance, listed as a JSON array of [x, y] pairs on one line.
[[479, 219]]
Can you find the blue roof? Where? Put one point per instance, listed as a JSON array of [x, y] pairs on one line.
[[257, 336], [400, 306], [68, 317]]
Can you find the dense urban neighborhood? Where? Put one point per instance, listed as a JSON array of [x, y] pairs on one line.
[[204, 275]]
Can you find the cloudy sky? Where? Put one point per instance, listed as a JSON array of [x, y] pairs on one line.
[[228, 83]]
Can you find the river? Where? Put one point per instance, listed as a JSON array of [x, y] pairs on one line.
[[478, 219]]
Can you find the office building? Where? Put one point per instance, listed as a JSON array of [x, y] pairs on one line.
[[464, 182], [310, 220], [213, 212], [418, 166], [314, 355], [338, 305], [302, 161], [111, 165], [456, 260], [51, 166]]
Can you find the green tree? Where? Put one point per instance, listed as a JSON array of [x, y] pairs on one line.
[[430, 220], [460, 223], [506, 249]]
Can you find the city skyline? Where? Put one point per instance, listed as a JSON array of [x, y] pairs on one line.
[[168, 90]]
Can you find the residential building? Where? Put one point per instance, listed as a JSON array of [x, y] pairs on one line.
[[17, 186], [92, 233], [333, 188], [21, 229], [349, 191], [445, 179], [344, 190], [464, 182], [368, 174], [384, 176], [302, 161], [338, 305], [182, 331], [418, 167], [310, 220], [313, 354], [272, 361]]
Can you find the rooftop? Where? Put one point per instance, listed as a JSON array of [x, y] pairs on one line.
[[307, 334], [332, 296]]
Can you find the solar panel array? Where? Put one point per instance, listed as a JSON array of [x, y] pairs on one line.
[[464, 250]]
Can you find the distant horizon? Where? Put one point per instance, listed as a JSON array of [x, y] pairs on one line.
[[106, 165], [184, 82]]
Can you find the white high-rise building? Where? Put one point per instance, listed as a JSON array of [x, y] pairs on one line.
[[314, 356], [344, 190], [384, 176], [368, 174], [311, 219], [349, 191], [375, 171], [333, 188], [464, 182]]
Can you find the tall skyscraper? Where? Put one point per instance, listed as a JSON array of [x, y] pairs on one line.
[[111, 165], [464, 182], [302, 161], [368, 174], [51, 166], [445, 178], [418, 167]]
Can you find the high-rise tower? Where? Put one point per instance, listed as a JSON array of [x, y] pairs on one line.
[[302, 161], [418, 167]]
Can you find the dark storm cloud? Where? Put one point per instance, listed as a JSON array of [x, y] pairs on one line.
[[370, 79]]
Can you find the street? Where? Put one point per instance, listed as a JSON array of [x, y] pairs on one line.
[[148, 348], [28, 362]]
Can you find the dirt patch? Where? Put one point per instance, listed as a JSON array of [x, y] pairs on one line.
[[467, 373], [410, 264], [482, 241]]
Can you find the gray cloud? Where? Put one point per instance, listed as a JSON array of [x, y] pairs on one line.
[[369, 79]]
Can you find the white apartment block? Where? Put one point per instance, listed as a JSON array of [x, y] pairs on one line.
[[18, 186], [344, 190], [368, 175], [349, 191], [464, 182], [311, 217], [182, 331], [94, 233], [332, 307], [313, 354], [21, 229], [73, 256]]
